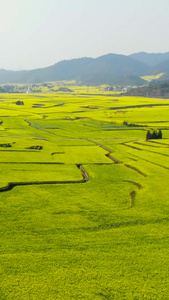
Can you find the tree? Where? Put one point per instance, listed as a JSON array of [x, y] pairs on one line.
[[160, 136], [154, 135], [148, 135]]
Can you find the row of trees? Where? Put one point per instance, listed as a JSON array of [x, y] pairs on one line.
[[154, 134], [132, 124]]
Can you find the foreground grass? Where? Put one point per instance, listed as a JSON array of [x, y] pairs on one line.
[[88, 246]]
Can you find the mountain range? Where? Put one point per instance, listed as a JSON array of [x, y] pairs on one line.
[[112, 69]]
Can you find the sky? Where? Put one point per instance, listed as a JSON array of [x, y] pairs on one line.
[[39, 33]]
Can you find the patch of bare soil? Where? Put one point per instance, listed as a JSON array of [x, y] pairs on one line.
[[53, 153], [132, 195], [35, 147]]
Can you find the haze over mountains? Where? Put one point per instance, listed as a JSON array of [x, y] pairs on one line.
[[151, 59], [113, 69]]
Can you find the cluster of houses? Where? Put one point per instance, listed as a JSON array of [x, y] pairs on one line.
[[116, 89]]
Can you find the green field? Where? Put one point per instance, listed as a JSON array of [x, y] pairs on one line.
[[152, 77], [87, 216]]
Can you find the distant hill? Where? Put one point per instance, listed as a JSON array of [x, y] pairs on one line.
[[106, 69], [162, 67], [161, 80], [151, 59], [101, 70], [64, 70], [113, 69], [152, 91], [127, 80]]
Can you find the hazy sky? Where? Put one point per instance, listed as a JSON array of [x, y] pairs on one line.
[[39, 33]]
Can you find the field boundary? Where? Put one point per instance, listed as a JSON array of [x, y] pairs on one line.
[[11, 185], [135, 169]]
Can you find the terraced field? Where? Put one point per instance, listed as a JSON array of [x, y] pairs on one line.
[[84, 206]]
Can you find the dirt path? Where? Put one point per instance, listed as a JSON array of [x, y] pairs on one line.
[[108, 150], [132, 195], [105, 148], [135, 169], [11, 185], [101, 146], [112, 158], [134, 183], [84, 173], [139, 106]]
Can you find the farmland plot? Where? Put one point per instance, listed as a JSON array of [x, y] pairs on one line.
[[84, 207]]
